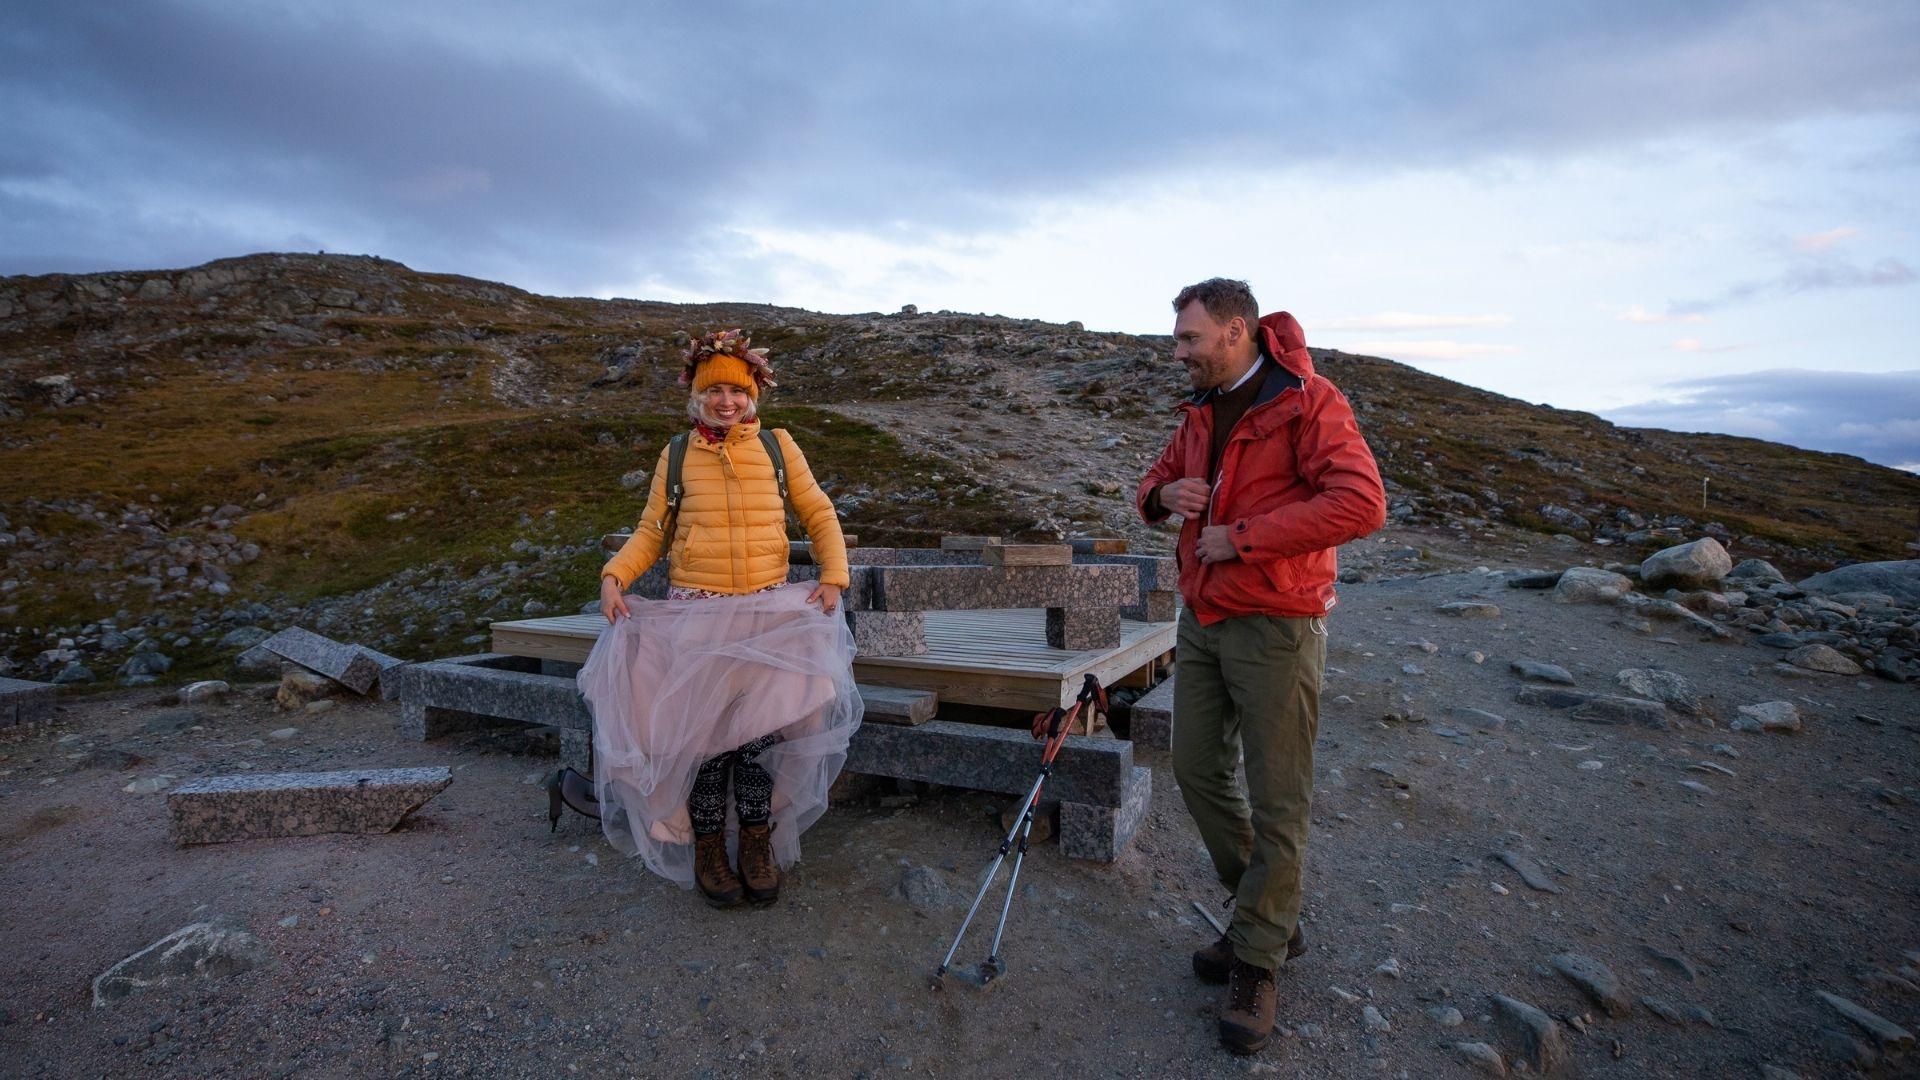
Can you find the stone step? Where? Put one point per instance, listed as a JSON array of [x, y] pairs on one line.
[[892, 705], [354, 666], [23, 702], [1088, 769], [258, 806], [1151, 723]]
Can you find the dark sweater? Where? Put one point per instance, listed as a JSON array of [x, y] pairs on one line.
[[1228, 407]]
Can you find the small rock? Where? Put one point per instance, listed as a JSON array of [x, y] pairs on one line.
[[1822, 658], [319, 706], [1541, 671], [1446, 1016], [1470, 609], [1779, 716], [1482, 1057], [1390, 967], [149, 784], [1586, 585], [1698, 565], [1542, 1045], [201, 950], [1664, 1011], [206, 690], [1370, 1016], [283, 734], [1594, 979]]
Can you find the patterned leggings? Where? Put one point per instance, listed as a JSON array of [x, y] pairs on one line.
[[752, 788]]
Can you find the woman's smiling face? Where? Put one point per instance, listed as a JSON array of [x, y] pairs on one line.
[[726, 402]]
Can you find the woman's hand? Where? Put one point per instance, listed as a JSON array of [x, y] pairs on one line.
[[827, 596], [613, 602]]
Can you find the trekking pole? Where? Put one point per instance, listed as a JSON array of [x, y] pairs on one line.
[[1055, 723]]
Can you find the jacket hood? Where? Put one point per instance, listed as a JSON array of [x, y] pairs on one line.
[[1282, 339]]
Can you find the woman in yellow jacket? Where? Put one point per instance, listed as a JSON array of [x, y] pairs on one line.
[[738, 678]]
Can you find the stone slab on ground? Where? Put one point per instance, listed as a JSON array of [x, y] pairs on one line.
[[1026, 555], [199, 950], [1102, 833], [1596, 708], [354, 666], [1083, 628], [484, 685], [1152, 718], [973, 588], [23, 702], [263, 805], [1088, 769], [893, 705]]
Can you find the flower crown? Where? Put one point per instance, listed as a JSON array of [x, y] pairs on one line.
[[727, 343]]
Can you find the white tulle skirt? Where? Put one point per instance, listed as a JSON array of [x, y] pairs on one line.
[[683, 680]]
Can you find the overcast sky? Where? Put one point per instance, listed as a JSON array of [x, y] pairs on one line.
[[1696, 215]]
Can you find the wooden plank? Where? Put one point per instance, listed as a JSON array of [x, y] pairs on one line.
[[1098, 545], [1026, 555], [892, 705], [995, 658]]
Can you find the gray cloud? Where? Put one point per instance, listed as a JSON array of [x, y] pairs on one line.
[[1874, 415], [565, 147], [1807, 275]]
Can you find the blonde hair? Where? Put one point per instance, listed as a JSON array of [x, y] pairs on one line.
[[697, 410]]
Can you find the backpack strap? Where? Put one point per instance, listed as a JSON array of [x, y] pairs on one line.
[[676, 466], [779, 459]]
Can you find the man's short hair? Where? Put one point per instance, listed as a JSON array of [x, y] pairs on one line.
[[1223, 298]]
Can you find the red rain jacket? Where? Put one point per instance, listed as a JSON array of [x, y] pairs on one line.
[[1296, 481]]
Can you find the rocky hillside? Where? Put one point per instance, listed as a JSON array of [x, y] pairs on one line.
[[188, 457]]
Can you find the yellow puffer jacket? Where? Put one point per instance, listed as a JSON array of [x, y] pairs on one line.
[[731, 535]]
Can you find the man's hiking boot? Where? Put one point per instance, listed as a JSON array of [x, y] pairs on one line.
[[1246, 1020], [717, 881], [1210, 963], [761, 876]]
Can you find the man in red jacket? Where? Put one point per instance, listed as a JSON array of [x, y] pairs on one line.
[[1270, 474]]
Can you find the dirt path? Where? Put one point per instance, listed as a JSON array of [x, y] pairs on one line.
[[473, 942]]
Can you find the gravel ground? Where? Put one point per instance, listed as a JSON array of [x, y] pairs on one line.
[[474, 942]]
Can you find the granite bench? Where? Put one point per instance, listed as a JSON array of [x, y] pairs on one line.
[[1103, 794], [261, 805]]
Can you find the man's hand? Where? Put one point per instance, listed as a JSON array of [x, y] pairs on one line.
[[827, 596], [613, 603], [1216, 544], [1186, 497]]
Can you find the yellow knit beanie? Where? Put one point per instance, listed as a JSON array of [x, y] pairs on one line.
[[724, 368]]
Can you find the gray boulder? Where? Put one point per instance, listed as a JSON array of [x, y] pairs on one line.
[[1751, 573], [1586, 585], [1900, 580], [1698, 565], [1670, 689], [1822, 658]]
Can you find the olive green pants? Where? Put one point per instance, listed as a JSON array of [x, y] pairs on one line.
[[1250, 686]]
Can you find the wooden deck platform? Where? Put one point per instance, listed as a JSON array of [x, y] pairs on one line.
[[998, 658]]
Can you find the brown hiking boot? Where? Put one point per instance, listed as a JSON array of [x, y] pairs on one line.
[[1246, 1021], [1211, 963], [761, 876], [716, 879]]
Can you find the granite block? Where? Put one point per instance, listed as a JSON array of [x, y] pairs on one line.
[[23, 702], [1026, 555], [356, 667], [801, 551], [967, 588], [855, 597], [888, 633], [490, 691], [1151, 722], [422, 722], [1156, 571], [892, 705], [1158, 605], [565, 669], [966, 543], [1101, 833], [1098, 545], [576, 750], [1082, 628], [1089, 770], [251, 807]]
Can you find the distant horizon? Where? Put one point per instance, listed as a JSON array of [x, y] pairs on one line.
[[1908, 466]]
